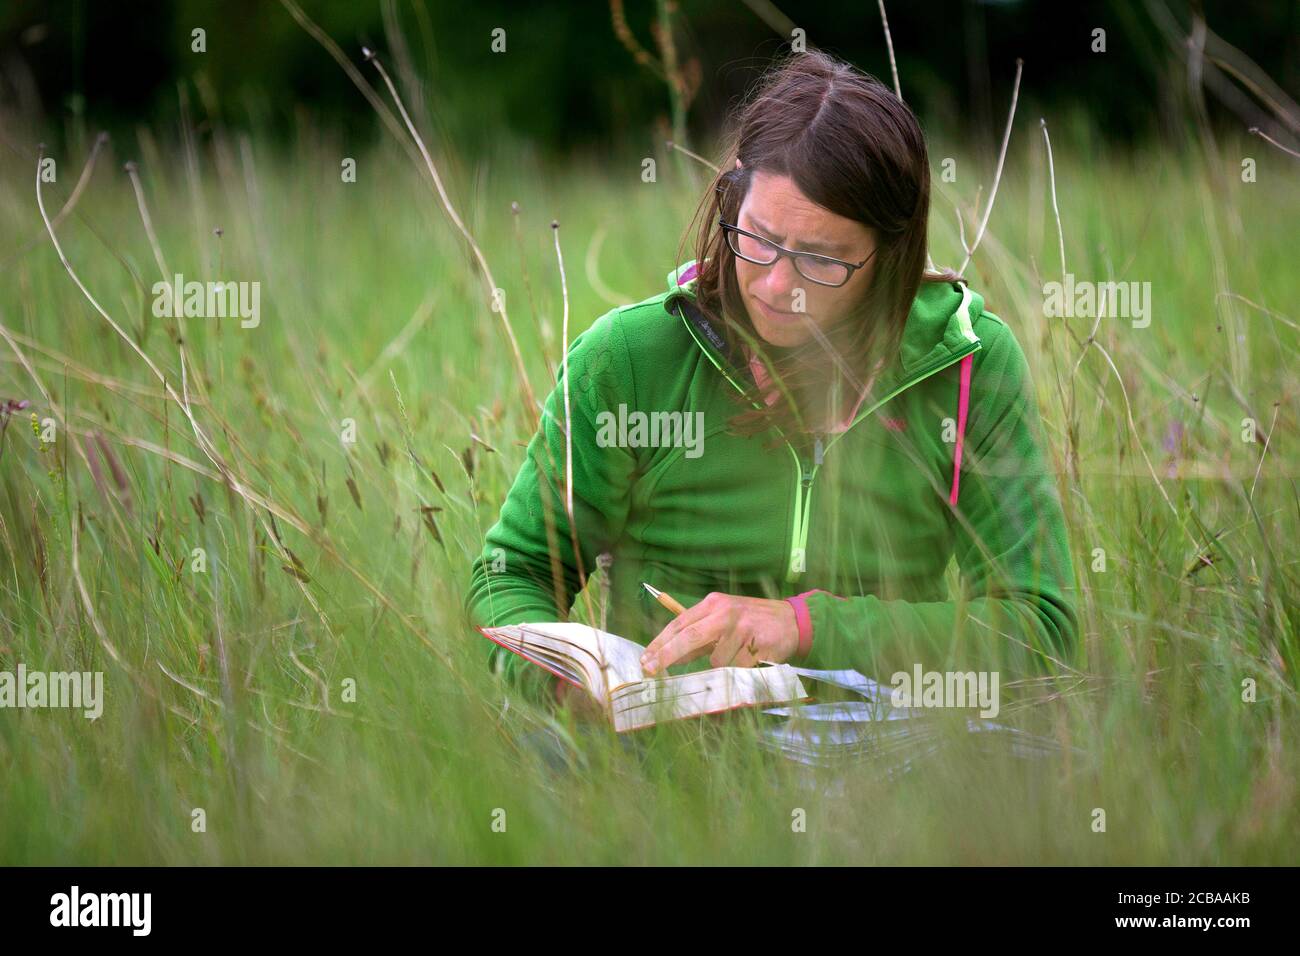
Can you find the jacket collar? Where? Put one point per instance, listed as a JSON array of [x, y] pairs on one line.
[[938, 329]]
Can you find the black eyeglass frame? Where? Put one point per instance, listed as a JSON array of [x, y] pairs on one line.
[[782, 252]]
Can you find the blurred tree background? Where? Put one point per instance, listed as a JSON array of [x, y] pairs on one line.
[[568, 79]]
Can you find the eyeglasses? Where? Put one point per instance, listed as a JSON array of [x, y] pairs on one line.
[[823, 270]]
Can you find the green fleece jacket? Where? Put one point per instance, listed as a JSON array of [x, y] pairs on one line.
[[857, 529]]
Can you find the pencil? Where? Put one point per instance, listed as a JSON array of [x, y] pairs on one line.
[[667, 600], [670, 602]]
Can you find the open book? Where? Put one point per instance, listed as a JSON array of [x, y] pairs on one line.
[[609, 668]]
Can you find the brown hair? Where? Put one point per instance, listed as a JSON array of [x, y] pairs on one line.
[[856, 149]]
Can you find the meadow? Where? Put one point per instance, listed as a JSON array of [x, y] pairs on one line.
[[262, 535]]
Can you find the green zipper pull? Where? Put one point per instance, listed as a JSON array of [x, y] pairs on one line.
[[799, 554], [802, 499]]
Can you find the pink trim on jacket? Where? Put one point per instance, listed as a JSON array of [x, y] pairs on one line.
[[963, 403]]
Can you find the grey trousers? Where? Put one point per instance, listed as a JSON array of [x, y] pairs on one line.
[[558, 755]]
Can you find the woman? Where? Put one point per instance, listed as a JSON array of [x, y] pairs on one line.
[[835, 424]]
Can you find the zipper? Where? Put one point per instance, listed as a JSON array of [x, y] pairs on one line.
[[807, 473], [803, 507]]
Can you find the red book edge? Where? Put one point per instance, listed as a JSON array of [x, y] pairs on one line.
[[531, 660]]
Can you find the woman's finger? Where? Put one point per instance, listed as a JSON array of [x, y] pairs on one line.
[[749, 651], [690, 616], [688, 643], [729, 645]]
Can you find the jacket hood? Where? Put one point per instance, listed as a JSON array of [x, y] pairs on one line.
[[939, 326]]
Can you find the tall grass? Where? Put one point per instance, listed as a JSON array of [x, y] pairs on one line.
[[329, 562]]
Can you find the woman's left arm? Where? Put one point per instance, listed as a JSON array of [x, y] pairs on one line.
[[1017, 610], [1017, 607]]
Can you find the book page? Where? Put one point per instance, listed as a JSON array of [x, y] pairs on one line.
[[848, 680], [558, 662], [619, 658], [510, 637], [606, 660], [703, 692]]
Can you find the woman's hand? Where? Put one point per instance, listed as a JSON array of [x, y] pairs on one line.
[[733, 631]]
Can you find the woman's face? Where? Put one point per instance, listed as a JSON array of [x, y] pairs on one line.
[[775, 209]]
